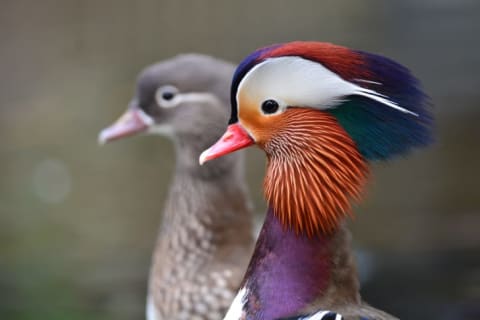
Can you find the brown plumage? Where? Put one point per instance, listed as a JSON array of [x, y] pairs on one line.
[[205, 239], [202, 249]]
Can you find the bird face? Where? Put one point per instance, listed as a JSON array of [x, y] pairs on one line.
[[275, 89], [180, 96], [377, 101], [314, 167], [276, 84]]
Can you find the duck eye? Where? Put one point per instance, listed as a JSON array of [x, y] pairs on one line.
[[168, 95], [270, 106]]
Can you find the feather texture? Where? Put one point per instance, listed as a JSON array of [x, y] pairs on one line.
[[312, 178], [334, 109]]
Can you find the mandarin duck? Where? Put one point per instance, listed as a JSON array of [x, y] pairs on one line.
[[321, 113], [206, 239]]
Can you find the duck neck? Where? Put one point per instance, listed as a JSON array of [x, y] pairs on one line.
[[188, 148], [204, 237], [291, 274], [204, 209]]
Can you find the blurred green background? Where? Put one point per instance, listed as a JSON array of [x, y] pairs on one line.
[[78, 222]]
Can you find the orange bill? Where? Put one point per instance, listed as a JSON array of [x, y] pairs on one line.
[[233, 139]]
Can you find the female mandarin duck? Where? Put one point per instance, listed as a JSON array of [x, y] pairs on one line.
[[320, 112], [202, 250]]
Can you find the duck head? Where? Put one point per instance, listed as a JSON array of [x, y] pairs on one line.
[[321, 112], [179, 98]]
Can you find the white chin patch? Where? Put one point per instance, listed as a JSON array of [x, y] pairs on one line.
[[165, 130]]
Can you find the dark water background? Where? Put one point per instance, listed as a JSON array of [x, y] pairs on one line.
[[77, 222]]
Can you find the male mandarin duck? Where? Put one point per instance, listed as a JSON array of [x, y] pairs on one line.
[[320, 112], [202, 249]]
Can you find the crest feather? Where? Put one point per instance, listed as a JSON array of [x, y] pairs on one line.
[[383, 108]]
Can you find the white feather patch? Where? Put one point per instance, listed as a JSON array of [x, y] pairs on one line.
[[303, 83], [151, 309], [235, 311], [320, 314]]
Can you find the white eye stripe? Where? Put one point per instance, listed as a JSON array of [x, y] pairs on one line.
[[197, 97], [296, 81], [179, 98]]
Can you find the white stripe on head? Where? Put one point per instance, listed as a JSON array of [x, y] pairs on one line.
[[299, 82], [189, 97]]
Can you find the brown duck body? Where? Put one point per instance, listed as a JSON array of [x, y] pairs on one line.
[[203, 246], [205, 239]]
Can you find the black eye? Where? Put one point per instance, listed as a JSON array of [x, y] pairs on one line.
[[270, 106], [167, 95]]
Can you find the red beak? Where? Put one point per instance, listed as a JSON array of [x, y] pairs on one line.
[[133, 121], [233, 139]]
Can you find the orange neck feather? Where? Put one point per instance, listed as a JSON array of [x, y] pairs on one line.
[[314, 170]]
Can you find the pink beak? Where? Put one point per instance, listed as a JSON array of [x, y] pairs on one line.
[[233, 139], [133, 121]]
